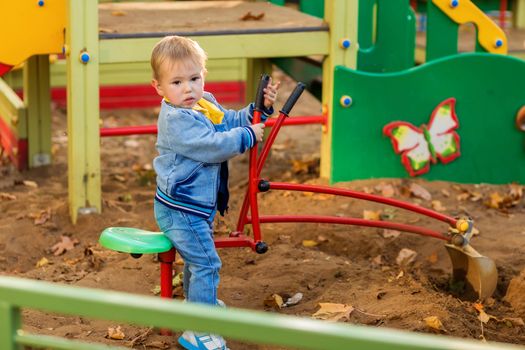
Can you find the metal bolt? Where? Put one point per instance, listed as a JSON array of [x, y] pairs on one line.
[[344, 43], [498, 43], [454, 3], [40, 3], [345, 101], [84, 57]]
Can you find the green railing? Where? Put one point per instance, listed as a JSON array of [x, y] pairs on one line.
[[249, 326]]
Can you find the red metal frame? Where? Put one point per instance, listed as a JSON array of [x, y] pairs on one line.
[[250, 204], [152, 129]]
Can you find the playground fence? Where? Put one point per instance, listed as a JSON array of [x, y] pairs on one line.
[[249, 326]]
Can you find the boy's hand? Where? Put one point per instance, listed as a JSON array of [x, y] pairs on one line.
[[270, 93], [258, 130]]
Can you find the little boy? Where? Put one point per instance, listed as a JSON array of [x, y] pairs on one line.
[[196, 137]]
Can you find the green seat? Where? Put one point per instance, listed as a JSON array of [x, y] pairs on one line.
[[134, 240]]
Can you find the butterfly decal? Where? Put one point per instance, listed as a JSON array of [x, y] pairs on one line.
[[421, 146]]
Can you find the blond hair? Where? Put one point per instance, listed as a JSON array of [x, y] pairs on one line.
[[175, 48]]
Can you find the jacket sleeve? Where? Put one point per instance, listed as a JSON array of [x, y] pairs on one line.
[[242, 117], [193, 139]]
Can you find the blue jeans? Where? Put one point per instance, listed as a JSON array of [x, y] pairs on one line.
[[192, 237]]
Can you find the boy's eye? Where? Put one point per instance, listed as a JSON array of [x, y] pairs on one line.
[[195, 78], [176, 82]]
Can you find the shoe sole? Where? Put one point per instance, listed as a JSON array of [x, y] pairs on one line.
[[186, 344]]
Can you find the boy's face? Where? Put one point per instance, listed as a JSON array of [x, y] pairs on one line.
[[181, 82]]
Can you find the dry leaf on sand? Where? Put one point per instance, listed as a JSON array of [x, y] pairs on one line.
[[333, 312], [275, 301], [435, 323], [115, 333], [406, 257], [420, 192], [63, 246]]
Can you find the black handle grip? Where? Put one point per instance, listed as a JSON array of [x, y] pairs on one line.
[[259, 98], [296, 93]]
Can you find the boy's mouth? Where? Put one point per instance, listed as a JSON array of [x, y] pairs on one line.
[[189, 100]]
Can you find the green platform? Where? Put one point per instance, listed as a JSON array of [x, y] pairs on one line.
[[134, 240]]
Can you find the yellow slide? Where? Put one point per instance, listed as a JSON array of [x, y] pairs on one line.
[[490, 36], [30, 27]]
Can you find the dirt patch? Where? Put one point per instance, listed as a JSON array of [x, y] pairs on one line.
[[326, 263]]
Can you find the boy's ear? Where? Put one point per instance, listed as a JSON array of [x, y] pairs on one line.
[[156, 85]]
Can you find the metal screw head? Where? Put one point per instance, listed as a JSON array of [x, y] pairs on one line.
[[84, 57], [344, 43], [40, 3], [498, 43], [345, 101], [454, 3]]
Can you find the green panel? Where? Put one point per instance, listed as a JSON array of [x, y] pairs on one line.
[[492, 149], [250, 326], [442, 34], [387, 44], [312, 7], [134, 240]]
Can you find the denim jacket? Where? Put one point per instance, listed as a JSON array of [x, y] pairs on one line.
[[191, 149]]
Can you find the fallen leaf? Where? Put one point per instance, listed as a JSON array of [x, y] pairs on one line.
[[406, 257], [115, 333], [445, 193], [64, 245], [7, 197], [436, 205], [391, 233], [386, 190], [274, 301], [42, 217], [516, 192], [31, 184], [251, 17], [420, 192], [483, 316], [462, 196], [333, 312], [308, 243], [435, 323], [42, 262], [515, 321], [371, 215], [495, 200], [118, 13]]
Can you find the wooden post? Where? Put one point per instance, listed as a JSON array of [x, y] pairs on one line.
[[37, 98], [82, 50], [342, 17]]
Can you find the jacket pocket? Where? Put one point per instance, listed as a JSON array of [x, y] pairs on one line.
[[199, 187]]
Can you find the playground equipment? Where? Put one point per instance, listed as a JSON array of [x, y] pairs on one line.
[[478, 271], [354, 77], [123, 41]]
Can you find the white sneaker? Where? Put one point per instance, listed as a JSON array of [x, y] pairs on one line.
[[202, 341]]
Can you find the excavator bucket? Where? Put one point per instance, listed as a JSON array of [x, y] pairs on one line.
[[477, 271]]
